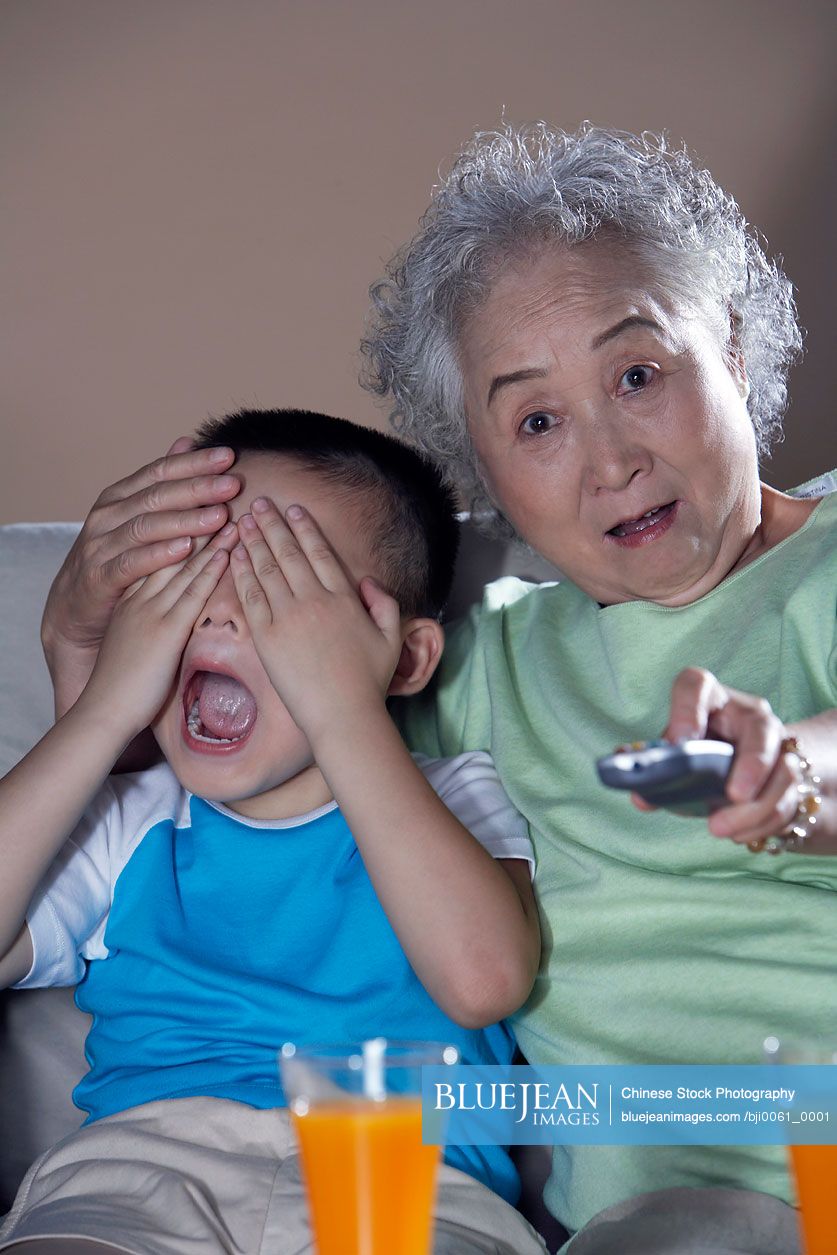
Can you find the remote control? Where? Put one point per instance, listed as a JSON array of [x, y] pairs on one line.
[[687, 777]]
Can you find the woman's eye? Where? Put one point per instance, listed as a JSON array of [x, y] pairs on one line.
[[537, 424], [637, 377]]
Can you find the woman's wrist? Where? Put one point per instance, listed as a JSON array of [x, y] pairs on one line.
[[70, 666], [815, 740], [803, 825]]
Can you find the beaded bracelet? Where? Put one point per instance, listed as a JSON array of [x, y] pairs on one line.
[[808, 807]]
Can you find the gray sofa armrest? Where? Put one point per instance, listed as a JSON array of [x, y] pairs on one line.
[[41, 1031]]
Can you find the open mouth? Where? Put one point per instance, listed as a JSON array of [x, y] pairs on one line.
[[219, 711], [647, 527]]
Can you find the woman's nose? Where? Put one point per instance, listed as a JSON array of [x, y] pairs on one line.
[[614, 456], [223, 609]]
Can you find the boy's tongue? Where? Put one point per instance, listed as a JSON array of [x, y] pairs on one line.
[[227, 709]]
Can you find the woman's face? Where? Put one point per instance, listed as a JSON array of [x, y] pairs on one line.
[[612, 430]]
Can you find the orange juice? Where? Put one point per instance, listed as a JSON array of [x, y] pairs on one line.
[[815, 1169], [370, 1180]]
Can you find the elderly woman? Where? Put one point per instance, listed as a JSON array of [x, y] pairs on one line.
[[586, 332], [588, 335]]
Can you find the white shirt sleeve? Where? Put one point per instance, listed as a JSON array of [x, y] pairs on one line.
[[470, 787], [69, 910]]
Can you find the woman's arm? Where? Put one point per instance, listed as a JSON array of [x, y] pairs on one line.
[[467, 922], [763, 784]]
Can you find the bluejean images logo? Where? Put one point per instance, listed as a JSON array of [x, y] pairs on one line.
[[539, 1102], [666, 1104]]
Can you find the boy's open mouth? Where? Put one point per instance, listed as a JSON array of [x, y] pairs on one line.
[[219, 711]]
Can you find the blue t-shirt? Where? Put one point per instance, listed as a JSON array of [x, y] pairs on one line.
[[202, 941]]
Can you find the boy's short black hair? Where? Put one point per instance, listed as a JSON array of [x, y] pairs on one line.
[[412, 510]]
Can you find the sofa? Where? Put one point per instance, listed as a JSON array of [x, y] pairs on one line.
[[42, 1031]]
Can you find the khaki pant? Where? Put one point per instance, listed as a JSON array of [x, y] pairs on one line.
[[204, 1176], [712, 1221]]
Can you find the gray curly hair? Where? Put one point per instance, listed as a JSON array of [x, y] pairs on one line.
[[517, 187]]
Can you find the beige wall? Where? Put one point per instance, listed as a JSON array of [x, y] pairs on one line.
[[197, 193]]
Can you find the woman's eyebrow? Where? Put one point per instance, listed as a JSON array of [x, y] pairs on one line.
[[633, 320], [537, 372], [514, 376]]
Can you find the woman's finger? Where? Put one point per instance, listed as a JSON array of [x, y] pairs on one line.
[[769, 813], [695, 694], [251, 595], [701, 706], [150, 560], [149, 526], [219, 538], [750, 725], [179, 507], [181, 445], [191, 464], [130, 565]]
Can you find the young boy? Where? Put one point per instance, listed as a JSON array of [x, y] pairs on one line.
[[288, 873]]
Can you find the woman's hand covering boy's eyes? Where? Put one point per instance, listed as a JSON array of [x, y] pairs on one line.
[[324, 644], [145, 522]]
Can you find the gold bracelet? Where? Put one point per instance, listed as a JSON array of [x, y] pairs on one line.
[[808, 807]]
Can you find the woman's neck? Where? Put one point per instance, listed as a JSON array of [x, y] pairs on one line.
[[781, 516]]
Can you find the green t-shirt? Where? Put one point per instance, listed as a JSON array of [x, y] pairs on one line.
[[662, 943]]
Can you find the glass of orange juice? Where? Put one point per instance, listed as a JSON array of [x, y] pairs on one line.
[[357, 1112], [814, 1166]]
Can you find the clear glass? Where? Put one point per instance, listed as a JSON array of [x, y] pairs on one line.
[[357, 1112], [814, 1168]]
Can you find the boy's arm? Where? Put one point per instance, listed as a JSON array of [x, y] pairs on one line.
[[41, 801], [43, 798], [466, 921]]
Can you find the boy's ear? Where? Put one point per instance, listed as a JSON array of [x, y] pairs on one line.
[[422, 643]]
